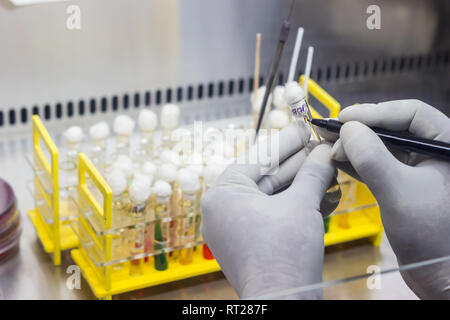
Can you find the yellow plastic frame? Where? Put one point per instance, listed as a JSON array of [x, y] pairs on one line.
[[56, 236]]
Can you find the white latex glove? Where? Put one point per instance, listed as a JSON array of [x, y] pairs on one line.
[[413, 191], [266, 243]]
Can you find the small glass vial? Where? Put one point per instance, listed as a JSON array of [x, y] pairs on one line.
[[120, 208], [162, 192], [68, 173], [296, 99], [99, 134], [168, 173], [139, 196], [170, 118], [189, 185], [123, 128], [148, 121]]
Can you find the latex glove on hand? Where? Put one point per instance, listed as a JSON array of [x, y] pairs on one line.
[[267, 243], [413, 191]]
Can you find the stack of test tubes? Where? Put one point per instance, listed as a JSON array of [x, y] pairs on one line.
[[157, 172]]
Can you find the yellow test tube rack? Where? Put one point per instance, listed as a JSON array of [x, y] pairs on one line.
[[357, 215], [54, 234], [94, 256]]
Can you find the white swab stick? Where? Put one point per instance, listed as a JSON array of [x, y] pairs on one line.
[[294, 59], [309, 60], [257, 58]]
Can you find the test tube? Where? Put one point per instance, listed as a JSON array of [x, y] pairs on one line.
[[162, 191], [168, 173], [123, 128], [148, 121], [68, 178], [170, 118], [120, 206], [139, 195], [99, 134], [189, 185]]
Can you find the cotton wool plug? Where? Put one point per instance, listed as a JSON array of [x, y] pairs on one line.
[[257, 99], [162, 189], [99, 131], [169, 156], [73, 135], [167, 172], [143, 178], [278, 98], [123, 125], [148, 121], [139, 191], [278, 119], [148, 168], [117, 182], [295, 97], [125, 164], [170, 116], [188, 180]]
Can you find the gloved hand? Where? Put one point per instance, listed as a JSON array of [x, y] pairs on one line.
[[267, 243], [413, 191]]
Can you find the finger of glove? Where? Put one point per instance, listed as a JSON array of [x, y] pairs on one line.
[[264, 157], [314, 176], [415, 116], [338, 153], [286, 172], [373, 162]]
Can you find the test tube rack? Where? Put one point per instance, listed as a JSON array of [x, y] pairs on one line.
[[357, 215], [96, 232], [54, 233]]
